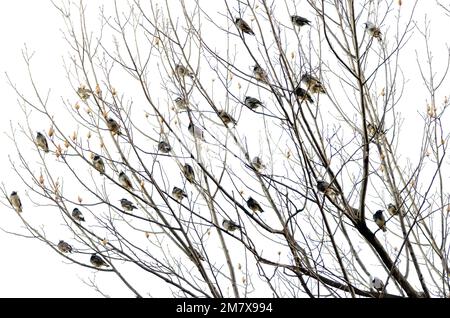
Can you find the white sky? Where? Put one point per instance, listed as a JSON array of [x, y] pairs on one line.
[[28, 268]]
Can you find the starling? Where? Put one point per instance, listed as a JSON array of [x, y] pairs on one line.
[[260, 74], [77, 215], [303, 95], [15, 201], [230, 225], [113, 126], [97, 261], [254, 205], [379, 219], [127, 205], [257, 163], [392, 209], [179, 194], [373, 30], [243, 26], [188, 172], [196, 132], [181, 103], [41, 142], [164, 147], [227, 118], [125, 181], [98, 164], [326, 188], [313, 84], [252, 102], [299, 21], [182, 71], [84, 93], [64, 247]]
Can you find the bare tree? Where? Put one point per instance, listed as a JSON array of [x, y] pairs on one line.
[[241, 149]]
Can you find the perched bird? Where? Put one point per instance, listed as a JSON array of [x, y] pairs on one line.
[[257, 163], [260, 74], [15, 201], [113, 126], [182, 71], [373, 30], [98, 261], [252, 102], [326, 188], [243, 26], [227, 118], [41, 142], [127, 205], [376, 284], [374, 131], [188, 172], [164, 147], [254, 205], [230, 225], [379, 219], [197, 253], [299, 21], [77, 215], [196, 132], [313, 84], [125, 181], [303, 95], [64, 247], [84, 93], [98, 164], [179, 194], [181, 103], [392, 209]]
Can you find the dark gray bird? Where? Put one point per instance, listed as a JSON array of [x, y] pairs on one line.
[[326, 188], [299, 21], [312, 83], [373, 30], [64, 247], [254, 205], [164, 147], [41, 142], [98, 164], [98, 261], [227, 118], [15, 201], [260, 74], [376, 283], [258, 164], [230, 225], [113, 126], [181, 103], [379, 219], [303, 95], [127, 205], [188, 172], [392, 209], [183, 71], [179, 194], [252, 102], [125, 181], [243, 26], [196, 132], [77, 215], [84, 93]]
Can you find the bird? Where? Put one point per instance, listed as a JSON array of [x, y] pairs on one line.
[[392, 209], [313, 84], [77, 215], [98, 164], [254, 205], [227, 118], [303, 95], [181, 103], [188, 172], [164, 147], [182, 71], [260, 74], [373, 30], [299, 21], [179, 194], [252, 102], [196, 132], [230, 225], [125, 181], [257, 163], [15, 201], [113, 126], [376, 283], [41, 142], [379, 219], [127, 205], [97, 261], [64, 247], [374, 131], [326, 188], [84, 92], [243, 26]]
